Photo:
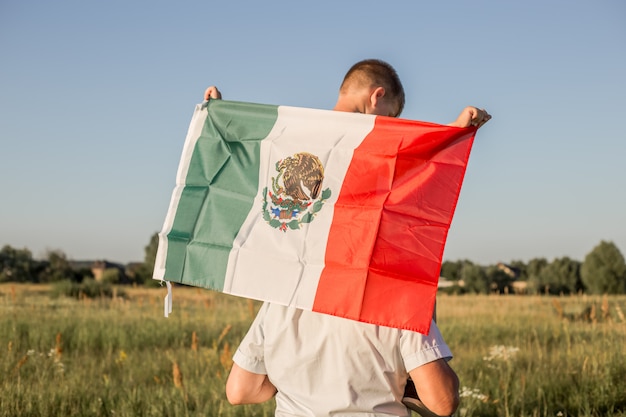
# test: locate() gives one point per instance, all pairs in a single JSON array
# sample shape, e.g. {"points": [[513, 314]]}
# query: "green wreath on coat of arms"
{"points": [[296, 195]]}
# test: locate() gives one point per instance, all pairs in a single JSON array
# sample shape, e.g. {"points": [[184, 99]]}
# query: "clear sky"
{"points": [[96, 98]]}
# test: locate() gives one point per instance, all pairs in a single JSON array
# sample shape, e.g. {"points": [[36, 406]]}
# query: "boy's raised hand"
{"points": [[471, 116], [212, 93]]}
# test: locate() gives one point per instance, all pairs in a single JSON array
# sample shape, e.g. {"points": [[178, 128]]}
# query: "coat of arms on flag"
{"points": [[339, 213], [296, 193]]}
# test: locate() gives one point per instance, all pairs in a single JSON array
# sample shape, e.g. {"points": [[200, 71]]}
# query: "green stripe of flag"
{"points": [[226, 156]]}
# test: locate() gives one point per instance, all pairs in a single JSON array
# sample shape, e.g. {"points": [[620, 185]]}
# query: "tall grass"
{"points": [[538, 356], [121, 357], [516, 356]]}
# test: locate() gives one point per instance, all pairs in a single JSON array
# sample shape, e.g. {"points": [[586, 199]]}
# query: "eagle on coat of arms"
{"points": [[296, 194]]}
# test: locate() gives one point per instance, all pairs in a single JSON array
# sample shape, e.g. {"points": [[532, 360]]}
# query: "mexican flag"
{"points": [[339, 213]]}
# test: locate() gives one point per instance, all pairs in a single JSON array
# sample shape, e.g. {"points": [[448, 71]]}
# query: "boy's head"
{"points": [[371, 86]]}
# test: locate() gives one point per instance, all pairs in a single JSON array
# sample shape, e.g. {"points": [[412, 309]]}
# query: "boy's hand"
{"points": [[212, 93], [471, 116]]}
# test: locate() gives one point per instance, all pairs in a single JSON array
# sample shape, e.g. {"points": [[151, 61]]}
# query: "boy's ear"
{"points": [[377, 94]]}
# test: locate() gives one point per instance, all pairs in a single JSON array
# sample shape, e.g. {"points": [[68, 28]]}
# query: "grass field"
{"points": [[515, 355]]}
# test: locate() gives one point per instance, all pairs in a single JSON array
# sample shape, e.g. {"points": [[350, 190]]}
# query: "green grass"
{"points": [[560, 362], [119, 356]]}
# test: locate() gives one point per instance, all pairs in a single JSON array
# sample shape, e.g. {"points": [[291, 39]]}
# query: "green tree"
{"points": [[561, 276], [474, 278], [604, 270], [17, 265], [451, 270], [143, 273], [533, 274], [151, 251], [56, 267], [111, 276]]}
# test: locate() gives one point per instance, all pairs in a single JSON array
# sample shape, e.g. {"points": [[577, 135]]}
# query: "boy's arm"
{"points": [[244, 387], [471, 116], [437, 386]]}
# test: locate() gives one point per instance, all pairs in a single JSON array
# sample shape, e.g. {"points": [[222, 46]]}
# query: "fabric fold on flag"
{"points": [[340, 213]]}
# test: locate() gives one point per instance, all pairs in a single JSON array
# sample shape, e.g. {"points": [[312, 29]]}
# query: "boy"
{"points": [[321, 365]]}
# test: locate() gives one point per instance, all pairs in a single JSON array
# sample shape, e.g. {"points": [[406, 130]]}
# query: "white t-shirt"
{"points": [[330, 366]]}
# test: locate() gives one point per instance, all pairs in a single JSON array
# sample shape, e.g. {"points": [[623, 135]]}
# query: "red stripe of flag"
{"points": [[390, 224]]}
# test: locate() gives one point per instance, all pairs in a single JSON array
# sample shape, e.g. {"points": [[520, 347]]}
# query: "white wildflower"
{"points": [[59, 367], [500, 352], [472, 393]]}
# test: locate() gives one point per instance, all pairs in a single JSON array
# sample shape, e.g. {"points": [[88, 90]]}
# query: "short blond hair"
{"points": [[376, 73]]}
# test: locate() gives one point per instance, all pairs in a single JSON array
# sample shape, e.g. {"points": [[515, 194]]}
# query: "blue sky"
{"points": [[96, 98]]}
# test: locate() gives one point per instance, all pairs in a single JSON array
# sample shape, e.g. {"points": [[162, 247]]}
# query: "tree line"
{"points": [[19, 265], [603, 271]]}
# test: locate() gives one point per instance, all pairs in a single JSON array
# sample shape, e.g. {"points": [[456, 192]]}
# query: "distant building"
{"points": [[520, 287], [98, 269], [511, 271], [445, 283], [80, 265]]}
